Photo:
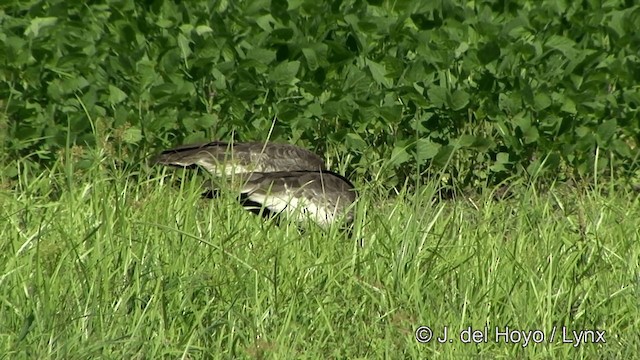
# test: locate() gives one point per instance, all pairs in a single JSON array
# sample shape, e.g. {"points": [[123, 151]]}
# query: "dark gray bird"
{"points": [[225, 159], [321, 196]]}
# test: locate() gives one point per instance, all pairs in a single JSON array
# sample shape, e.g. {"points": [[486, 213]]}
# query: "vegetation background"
{"points": [[405, 97], [483, 89]]}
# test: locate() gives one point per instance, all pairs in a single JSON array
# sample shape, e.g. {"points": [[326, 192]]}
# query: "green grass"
{"points": [[130, 266]]}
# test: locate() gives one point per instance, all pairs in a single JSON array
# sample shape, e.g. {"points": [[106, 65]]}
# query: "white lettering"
{"points": [[505, 334]]}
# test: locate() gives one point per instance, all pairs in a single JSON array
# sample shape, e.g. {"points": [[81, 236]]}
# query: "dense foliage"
{"points": [[482, 89]]}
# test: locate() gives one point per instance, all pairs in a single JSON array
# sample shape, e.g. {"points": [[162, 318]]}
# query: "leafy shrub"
{"points": [[483, 90]]}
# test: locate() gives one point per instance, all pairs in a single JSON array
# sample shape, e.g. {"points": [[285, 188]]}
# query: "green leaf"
{"points": [[203, 29], [482, 144], [38, 23], [437, 95], [355, 142], [562, 44], [510, 102], [183, 44], [606, 130], [207, 120], [132, 135], [459, 100], [542, 101], [632, 97], [378, 72], [531, 135], [264, 56], [391, 114], [116, 95], [194, 137], [489, 52], [399, 155], [465, 141], [312, 59], [617, 21], [162, 90], [621, 148], [285, 72], [426, 150], [502, 159], [443, 156], [568, 106]]}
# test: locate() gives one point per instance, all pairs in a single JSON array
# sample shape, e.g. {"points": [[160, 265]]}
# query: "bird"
{"points": [[324, 197], [271, 179], [226, 159]]}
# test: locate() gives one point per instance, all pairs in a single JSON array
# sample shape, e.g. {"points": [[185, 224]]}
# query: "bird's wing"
{"points": [[220, 158], [286, 157]]}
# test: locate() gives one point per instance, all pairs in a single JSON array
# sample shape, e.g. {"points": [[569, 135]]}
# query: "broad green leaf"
{"points": [[116, 95], [378, 72], [586, 142], [183, 43], [482, 144], [632, 97], [502, 160], [285, 72], [443, 156], [203, 29], [314, 109], [617, 21], [461, 49], [522, 121], [265, 22], [164, 23], [355, 142], [568, 106], [207, 120], [426, 150], [264, 56], [606, 130], [391, 114], [510, 102], [459, 100], [621, 148], [286, 112], [312, 59], [399, 155], [542, 101], [195, 137], [437, 96], [38, 23], [563, 44], [165, 89], [489, 52], [132, 135], [502, 157], [465, 141], [531, 135]]}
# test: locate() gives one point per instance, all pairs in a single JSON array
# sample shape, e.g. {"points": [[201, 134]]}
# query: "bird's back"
{"points": [[221, 158], [322, 196]]}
